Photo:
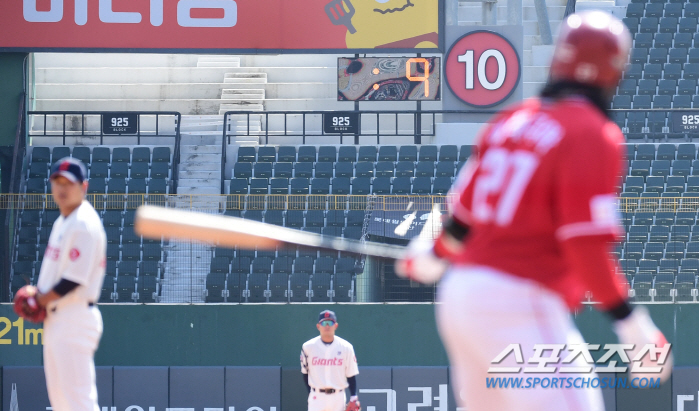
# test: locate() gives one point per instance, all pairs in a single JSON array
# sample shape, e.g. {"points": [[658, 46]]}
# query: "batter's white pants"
{"points": [[71, 336], [319, 401], [481, 312]]}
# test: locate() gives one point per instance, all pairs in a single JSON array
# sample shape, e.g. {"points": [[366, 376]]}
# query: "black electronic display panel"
{"points": [[388, 79]]}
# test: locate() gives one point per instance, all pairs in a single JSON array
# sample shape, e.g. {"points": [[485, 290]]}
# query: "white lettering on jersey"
{"points": [[504, 174], [326, 361]]}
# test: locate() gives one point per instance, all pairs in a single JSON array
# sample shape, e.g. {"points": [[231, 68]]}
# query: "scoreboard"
{"points": [[388, 79]]}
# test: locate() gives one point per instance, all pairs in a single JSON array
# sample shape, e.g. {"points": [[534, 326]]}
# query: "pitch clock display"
{"points": [[388, 79]]}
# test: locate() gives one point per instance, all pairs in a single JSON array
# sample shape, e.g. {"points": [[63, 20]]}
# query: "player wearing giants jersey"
{"points": [[532, 217], [329, 367], [69, 284]]}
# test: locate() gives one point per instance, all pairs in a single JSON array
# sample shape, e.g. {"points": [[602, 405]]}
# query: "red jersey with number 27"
{"points": [[546, 171]]}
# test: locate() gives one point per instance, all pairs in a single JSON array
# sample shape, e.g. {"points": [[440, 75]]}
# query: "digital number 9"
{"points": [[424, 78]]}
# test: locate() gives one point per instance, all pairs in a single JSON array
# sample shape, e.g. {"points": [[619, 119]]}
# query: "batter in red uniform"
{"points": [[531, 223]]}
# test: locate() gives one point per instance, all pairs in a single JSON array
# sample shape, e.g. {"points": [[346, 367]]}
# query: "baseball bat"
{"points": [[227, 231]]}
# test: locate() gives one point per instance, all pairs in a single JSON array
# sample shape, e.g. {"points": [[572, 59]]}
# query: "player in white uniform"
{"points": [[329, 367], [69, 284]]}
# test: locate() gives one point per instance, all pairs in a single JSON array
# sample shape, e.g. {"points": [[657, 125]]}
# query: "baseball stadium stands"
{"points": [[663, 68]]}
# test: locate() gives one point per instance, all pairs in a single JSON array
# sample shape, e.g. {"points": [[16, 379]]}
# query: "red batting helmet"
{"points": [[592, 49]]}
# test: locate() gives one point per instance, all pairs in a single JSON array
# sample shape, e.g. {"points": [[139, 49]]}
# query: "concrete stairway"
{"points": [[189, 84], [198, 189], [185, 271]]}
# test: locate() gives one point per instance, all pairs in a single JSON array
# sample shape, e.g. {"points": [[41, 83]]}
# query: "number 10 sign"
{"points": [[482, 68]]}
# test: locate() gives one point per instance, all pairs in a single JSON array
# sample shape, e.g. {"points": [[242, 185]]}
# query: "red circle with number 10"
{"points": [[482, 68]]}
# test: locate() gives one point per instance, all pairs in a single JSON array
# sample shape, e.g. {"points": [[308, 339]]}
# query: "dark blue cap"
{"points": [[327, 315], [70, 168]]}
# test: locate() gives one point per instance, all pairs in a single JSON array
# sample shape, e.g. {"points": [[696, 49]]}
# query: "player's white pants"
{"points": [[318, 401], [71, 336], [482, 312]]}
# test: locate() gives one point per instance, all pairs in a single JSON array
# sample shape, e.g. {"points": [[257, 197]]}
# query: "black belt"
{"points": [[89, 304], [327, 390]]}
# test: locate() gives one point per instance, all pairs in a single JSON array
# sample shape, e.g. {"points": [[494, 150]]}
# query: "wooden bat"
{"points": [[156, 222]]}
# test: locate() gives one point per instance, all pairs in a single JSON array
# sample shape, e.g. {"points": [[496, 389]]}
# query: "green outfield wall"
{"points": [[271, 335]]}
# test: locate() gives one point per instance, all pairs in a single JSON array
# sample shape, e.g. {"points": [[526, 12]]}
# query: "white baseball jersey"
{"points": [[328, 365], [77, 251]]}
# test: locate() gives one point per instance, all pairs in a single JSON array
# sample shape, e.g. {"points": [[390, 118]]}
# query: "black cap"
{"points": [[70, 168], [327, 315]]}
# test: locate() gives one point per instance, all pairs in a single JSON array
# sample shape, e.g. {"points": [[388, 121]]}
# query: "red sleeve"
{"points": [[587, 211], [590, 162], [461, 193], [592, 270]]}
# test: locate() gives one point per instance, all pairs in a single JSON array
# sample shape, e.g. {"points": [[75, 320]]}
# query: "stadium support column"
{"points": [[490, 13], [12, 73], [418, 119], [542, 15], [514, 12]]}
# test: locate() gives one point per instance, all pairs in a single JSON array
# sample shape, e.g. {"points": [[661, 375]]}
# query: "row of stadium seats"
{"points": [[655, 101], [646, 287], [309, 218], [677, 10], [651, 87], [113, 170], [656, 250], [101, 186], [662, 24], [664, 233], [671, 265], [101, 154], [115, 252], [664, 1], [282, 264], [665, 151], [666, 40], [342, 185], [349, 170], [663, 168], [312, 154], [277, 287], [668, 218], [126, 289], [661, 184]]}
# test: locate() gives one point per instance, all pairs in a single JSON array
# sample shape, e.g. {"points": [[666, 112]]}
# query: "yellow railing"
{"points": [[304, 202]]}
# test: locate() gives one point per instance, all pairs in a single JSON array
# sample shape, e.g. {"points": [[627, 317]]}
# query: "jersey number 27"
{"points": [[499, 188]]}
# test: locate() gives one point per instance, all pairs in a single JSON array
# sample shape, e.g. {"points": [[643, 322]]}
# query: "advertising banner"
{"points": [[274, 26]]}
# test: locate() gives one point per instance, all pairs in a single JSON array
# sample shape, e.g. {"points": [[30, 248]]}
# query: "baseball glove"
{"points": [[26, 306], [353, 406]]}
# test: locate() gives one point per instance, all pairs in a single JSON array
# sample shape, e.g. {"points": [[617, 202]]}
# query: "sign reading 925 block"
{"points": [[685, 122], [119, 123], [482, 68], [341, 122]]}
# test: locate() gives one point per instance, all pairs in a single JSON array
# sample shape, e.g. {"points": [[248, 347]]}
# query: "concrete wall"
{"points": [[272, 334]]}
